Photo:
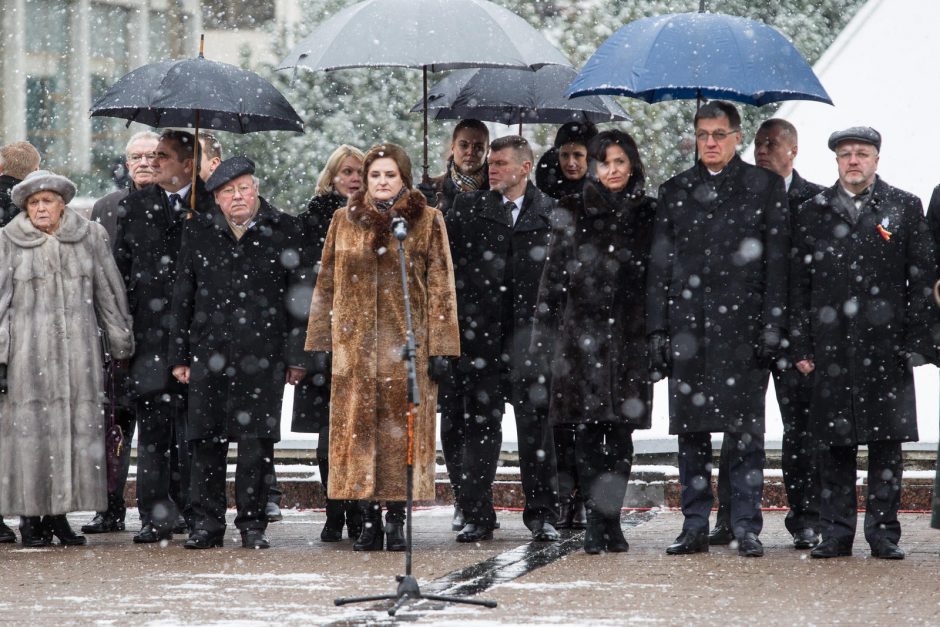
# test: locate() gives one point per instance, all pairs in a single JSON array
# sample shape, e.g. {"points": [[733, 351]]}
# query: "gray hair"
{"points": [[137, 137]]}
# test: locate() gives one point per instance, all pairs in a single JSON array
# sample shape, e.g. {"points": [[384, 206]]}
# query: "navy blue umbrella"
{"points": [[683, 56]]}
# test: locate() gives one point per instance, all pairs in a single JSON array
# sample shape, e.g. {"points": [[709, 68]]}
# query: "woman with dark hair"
{"points": [[340, 178], [358, 315], [563, 168], [591, 309]]}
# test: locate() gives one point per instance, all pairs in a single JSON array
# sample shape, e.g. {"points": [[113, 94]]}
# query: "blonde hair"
{"points": [[331, 169], [19, 159]]}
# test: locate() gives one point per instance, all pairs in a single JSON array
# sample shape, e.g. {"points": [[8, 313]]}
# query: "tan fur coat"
{"points": [[358, 313]]}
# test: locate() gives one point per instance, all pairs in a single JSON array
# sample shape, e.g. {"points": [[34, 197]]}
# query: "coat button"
{"points": [[500, 238]]}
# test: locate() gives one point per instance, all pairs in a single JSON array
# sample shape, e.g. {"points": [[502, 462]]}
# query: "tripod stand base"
{"points": [[408, 590]]}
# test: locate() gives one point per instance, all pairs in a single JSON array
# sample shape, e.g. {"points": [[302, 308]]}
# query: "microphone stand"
{"points": [[408, 589]]}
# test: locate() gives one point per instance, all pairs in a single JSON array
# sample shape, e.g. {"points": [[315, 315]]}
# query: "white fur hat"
{"points": [[42, 180]]}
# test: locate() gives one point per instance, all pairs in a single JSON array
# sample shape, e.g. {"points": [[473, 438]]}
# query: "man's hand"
{"points": [[181, 374], [295, 375], [805, 366]]}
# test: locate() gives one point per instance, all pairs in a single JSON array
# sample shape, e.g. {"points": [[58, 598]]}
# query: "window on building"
{"points": [[246, 14], [47, 27], [47, 107], [108, 62]]}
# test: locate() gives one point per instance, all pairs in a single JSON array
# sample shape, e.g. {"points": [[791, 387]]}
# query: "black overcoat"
{"points": [[485, 246], [717, 280], [8, 210], [861, 298], [591, 308], [311, 413], [148, 243], [232, 305]]}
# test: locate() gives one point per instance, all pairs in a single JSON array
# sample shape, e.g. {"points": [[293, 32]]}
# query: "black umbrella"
{"points": [[198, 93], [515, 97]]}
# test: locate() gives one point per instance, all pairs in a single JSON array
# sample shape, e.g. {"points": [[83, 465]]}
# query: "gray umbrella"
{"points": [[427, 34], [517, 97]]}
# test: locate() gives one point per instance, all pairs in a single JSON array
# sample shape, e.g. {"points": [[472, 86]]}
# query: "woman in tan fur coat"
{"points": [[358, 315]]}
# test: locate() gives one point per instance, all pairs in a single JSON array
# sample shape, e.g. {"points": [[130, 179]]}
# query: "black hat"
{"points": [[575, 132], [229, 169], [864, 134]]}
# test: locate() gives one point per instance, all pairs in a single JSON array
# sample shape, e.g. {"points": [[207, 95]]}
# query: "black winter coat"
{"points": [[311, 412], [148, 244], [717, 280], [232, 305], [933, 220], [861, 297], [8, 210], [489, 253], [442, 190], [591, 309]]}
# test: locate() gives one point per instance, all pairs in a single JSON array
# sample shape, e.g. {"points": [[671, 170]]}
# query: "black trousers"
{"points": [[163, 460], [839, 505], [484, 435], [604, 457], [745, 457], [125, 418], [798, 455], [569, 477], [252, 482], [453, 435]]}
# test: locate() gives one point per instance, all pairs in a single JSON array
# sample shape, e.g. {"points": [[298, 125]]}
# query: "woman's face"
{"points": [[348, 179], [384, 179], [614, 171], [573, 160], [45, 210]]}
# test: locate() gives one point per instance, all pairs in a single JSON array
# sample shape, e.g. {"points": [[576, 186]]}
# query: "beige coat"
{"points": [[358, 313], [55, 292]]}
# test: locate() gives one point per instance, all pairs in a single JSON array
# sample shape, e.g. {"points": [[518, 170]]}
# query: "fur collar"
{"points": [[22, 232], [411, 207]]}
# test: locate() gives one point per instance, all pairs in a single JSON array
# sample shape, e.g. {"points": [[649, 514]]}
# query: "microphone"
{"points": [[399, 229]]}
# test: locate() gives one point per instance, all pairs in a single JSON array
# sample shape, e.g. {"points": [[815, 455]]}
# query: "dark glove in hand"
{"points": [[769, 344], [3, 378], [660, 362], [439, 368]]}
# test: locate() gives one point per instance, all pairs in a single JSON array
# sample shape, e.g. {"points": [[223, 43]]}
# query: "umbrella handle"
{"points": [[196, 159], [425, 179]]}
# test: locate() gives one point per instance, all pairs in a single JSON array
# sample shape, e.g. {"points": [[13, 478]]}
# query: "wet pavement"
{"points": [[112, 581]]}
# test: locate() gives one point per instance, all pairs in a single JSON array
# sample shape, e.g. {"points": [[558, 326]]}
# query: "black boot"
{"points": [[335, 519], [616, 543], [595, 538], [579, 514], [371, 538], [565, 513], [60, 528], [353, 519], [395, 526], [33, 533]]}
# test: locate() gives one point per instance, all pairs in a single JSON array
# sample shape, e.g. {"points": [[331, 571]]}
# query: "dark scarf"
{"points": [[410, 205], [384, 205]]}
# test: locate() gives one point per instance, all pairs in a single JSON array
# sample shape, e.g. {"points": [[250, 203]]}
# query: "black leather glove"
{"points": [[3, 378], [430, 192], [660, 357], [769, 348], [439, 368]]}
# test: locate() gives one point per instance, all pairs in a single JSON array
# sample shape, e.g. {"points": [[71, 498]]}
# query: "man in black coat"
{"points": [[148, 243], [235, 342], [775, 148], [716, 312], [861, 279], [499, 242], [106, 211]]}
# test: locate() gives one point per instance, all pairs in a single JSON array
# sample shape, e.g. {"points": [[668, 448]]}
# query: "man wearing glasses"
{"points": [[716, 315], [861, 318]]}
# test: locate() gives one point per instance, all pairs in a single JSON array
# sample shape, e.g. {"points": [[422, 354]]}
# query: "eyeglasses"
{"points": [[243, 190], [718, 136], [134, 157]]}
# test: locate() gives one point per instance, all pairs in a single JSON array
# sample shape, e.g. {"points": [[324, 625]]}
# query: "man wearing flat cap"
{"points": [[237, 337], [861, 319]]}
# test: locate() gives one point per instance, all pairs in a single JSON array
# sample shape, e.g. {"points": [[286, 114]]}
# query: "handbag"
{"points": [[114, 436]]}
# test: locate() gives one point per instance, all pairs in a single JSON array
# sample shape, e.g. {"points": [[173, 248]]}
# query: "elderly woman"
{"points": [[358, 315], [591, 310], [58, 286], [341, 178]]}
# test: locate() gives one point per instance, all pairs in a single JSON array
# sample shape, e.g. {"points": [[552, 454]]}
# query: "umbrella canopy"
{"points": [[699, 55], [198, 92], [517, 97]]}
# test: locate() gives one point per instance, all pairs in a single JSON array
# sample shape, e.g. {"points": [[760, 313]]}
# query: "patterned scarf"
{"points": [[464, 182], [384, 205]]}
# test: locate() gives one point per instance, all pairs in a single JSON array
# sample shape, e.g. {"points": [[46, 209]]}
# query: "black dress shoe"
{"points": [[831, 547], [395, 537], [273, 512], [331, 533], [180, 525], [721, 535], [60, 528], [103, 522], [473, 532], [253, 539], [6, 534], [565, 515], [805, 538], [33, 533], [579, 517], [202, 539], [616, 543], [689, 542], [458, 521], [886, 550], [544, 532], [149, 534], [750, 546]]}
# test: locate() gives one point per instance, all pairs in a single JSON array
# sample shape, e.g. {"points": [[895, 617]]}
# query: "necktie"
{"points": [[175, 200], [509, 207]]}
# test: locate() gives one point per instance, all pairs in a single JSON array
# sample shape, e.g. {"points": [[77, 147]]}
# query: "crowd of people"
{"points": [[187, 302]]}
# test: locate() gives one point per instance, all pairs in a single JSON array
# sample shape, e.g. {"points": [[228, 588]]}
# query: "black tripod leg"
{"points": [[377, 597], [437, 597], [398, 604]]}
